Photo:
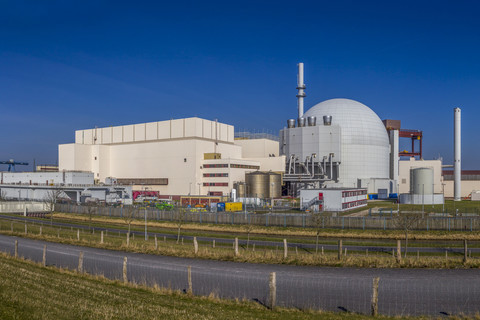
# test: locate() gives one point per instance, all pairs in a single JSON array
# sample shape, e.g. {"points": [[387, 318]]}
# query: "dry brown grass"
{"points": [[225, 252], [289, 232]]}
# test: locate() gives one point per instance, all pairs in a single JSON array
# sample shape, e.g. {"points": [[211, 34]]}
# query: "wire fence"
{"points": [[280, 220], [400, 292]]}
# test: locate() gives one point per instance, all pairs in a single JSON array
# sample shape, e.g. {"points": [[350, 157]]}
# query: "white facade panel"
{"points": [[79, 136], [139, 132], [107, 135], [88, 136], [151, 131], [164, 131], [177, 128], [128, 133], [207, 129], [117, 134]]}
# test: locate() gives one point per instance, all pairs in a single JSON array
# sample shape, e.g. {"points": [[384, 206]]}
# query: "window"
{"points": [[216, 165], [215, 184], [209, 175], [244, 166]]}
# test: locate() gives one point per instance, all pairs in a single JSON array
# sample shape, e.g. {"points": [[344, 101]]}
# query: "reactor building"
{"points": [[338, 143]]}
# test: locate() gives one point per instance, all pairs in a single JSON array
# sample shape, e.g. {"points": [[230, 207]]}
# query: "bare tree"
{"points": [[181, 214], [3, 195], [317, 223], [248, 228], [51, 198], [128, 215], [91, 209], [407, 221]]}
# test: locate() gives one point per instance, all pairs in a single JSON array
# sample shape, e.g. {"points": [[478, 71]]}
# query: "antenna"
{"points": [[300, 87]]}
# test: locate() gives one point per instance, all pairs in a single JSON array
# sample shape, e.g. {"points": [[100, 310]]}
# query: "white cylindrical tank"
{"points": [[457, 173], [421, 181]]}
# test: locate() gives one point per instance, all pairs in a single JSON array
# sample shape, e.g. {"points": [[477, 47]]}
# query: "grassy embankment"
{"points": [[29, 291], [225, 252]]}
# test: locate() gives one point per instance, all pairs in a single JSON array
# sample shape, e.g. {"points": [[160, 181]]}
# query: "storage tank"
{"points": [[241, 188], [421, 181], [257, 184], [275, 185]]}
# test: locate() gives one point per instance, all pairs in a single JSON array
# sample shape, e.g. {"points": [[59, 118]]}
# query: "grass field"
{"points": [[225, 252], [29, 291]]}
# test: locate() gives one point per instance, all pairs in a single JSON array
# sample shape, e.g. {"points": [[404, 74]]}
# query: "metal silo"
{"points": [[275, 185], [421, 181], [257, 184], [241, 189]]}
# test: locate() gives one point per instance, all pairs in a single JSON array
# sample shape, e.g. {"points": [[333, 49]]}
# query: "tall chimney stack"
{"points": [[300, 87], [457, 146]]}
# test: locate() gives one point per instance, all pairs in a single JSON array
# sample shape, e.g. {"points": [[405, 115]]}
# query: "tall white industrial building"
{"points": [[175, 157], [337, 143]]}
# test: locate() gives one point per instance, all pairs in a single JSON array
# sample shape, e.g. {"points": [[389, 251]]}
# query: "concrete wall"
{"points": [[46, 178], [468, 186], [404, 173], [258, 148], [161, 130]]}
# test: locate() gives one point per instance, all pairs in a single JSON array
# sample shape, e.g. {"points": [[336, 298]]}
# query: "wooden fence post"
{"points": [[213, 243], [125, 278], [253, 247], [339, 249], [16, 248], [273, 290], [101, 237], [78, 234], [399, 251], [156, 243], [189, 276], [164, 239], [285, 249], [236, 247], [40, 232], [465, 251], [44, 258], [128, 239], [80, 262], [375, 297], [195, 245], [25, 228]]}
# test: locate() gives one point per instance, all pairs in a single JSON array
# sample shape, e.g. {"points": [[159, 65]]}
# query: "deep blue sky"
{"points": [[67, 65]]}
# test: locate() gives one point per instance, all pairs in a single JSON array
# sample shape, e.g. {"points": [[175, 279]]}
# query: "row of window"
{"points": [[225, 165], [215, 175], [216, 165], [353, 193], [354, 204], [244, 166], [215, 184]]}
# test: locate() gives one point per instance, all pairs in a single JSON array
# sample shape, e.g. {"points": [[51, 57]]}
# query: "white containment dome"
{"points": [[365, 144]]}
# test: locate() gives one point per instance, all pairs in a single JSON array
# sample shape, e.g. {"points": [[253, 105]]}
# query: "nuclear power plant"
{"points": [[334, 156]]}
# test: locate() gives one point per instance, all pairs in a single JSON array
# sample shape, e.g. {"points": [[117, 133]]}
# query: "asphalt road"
{"points": [[263, 243], [401, 291]]}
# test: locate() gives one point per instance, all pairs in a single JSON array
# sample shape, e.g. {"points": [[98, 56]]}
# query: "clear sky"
{"points": [[69, 65]]}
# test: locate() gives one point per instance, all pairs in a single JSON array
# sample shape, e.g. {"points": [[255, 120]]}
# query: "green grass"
{"points": [[29, 291]]}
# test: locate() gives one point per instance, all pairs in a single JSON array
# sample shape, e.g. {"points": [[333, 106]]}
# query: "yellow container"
{"points": [[233, 206]]}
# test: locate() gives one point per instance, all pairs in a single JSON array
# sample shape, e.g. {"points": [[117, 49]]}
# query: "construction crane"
{"points": [[11, 164]]}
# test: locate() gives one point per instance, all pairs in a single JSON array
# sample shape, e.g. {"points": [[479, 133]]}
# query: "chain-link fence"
{"points": [[280, 220]]}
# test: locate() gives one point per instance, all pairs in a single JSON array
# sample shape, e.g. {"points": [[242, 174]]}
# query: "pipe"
{"points": [[300, 87], [457, 193], [331, 166]]}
